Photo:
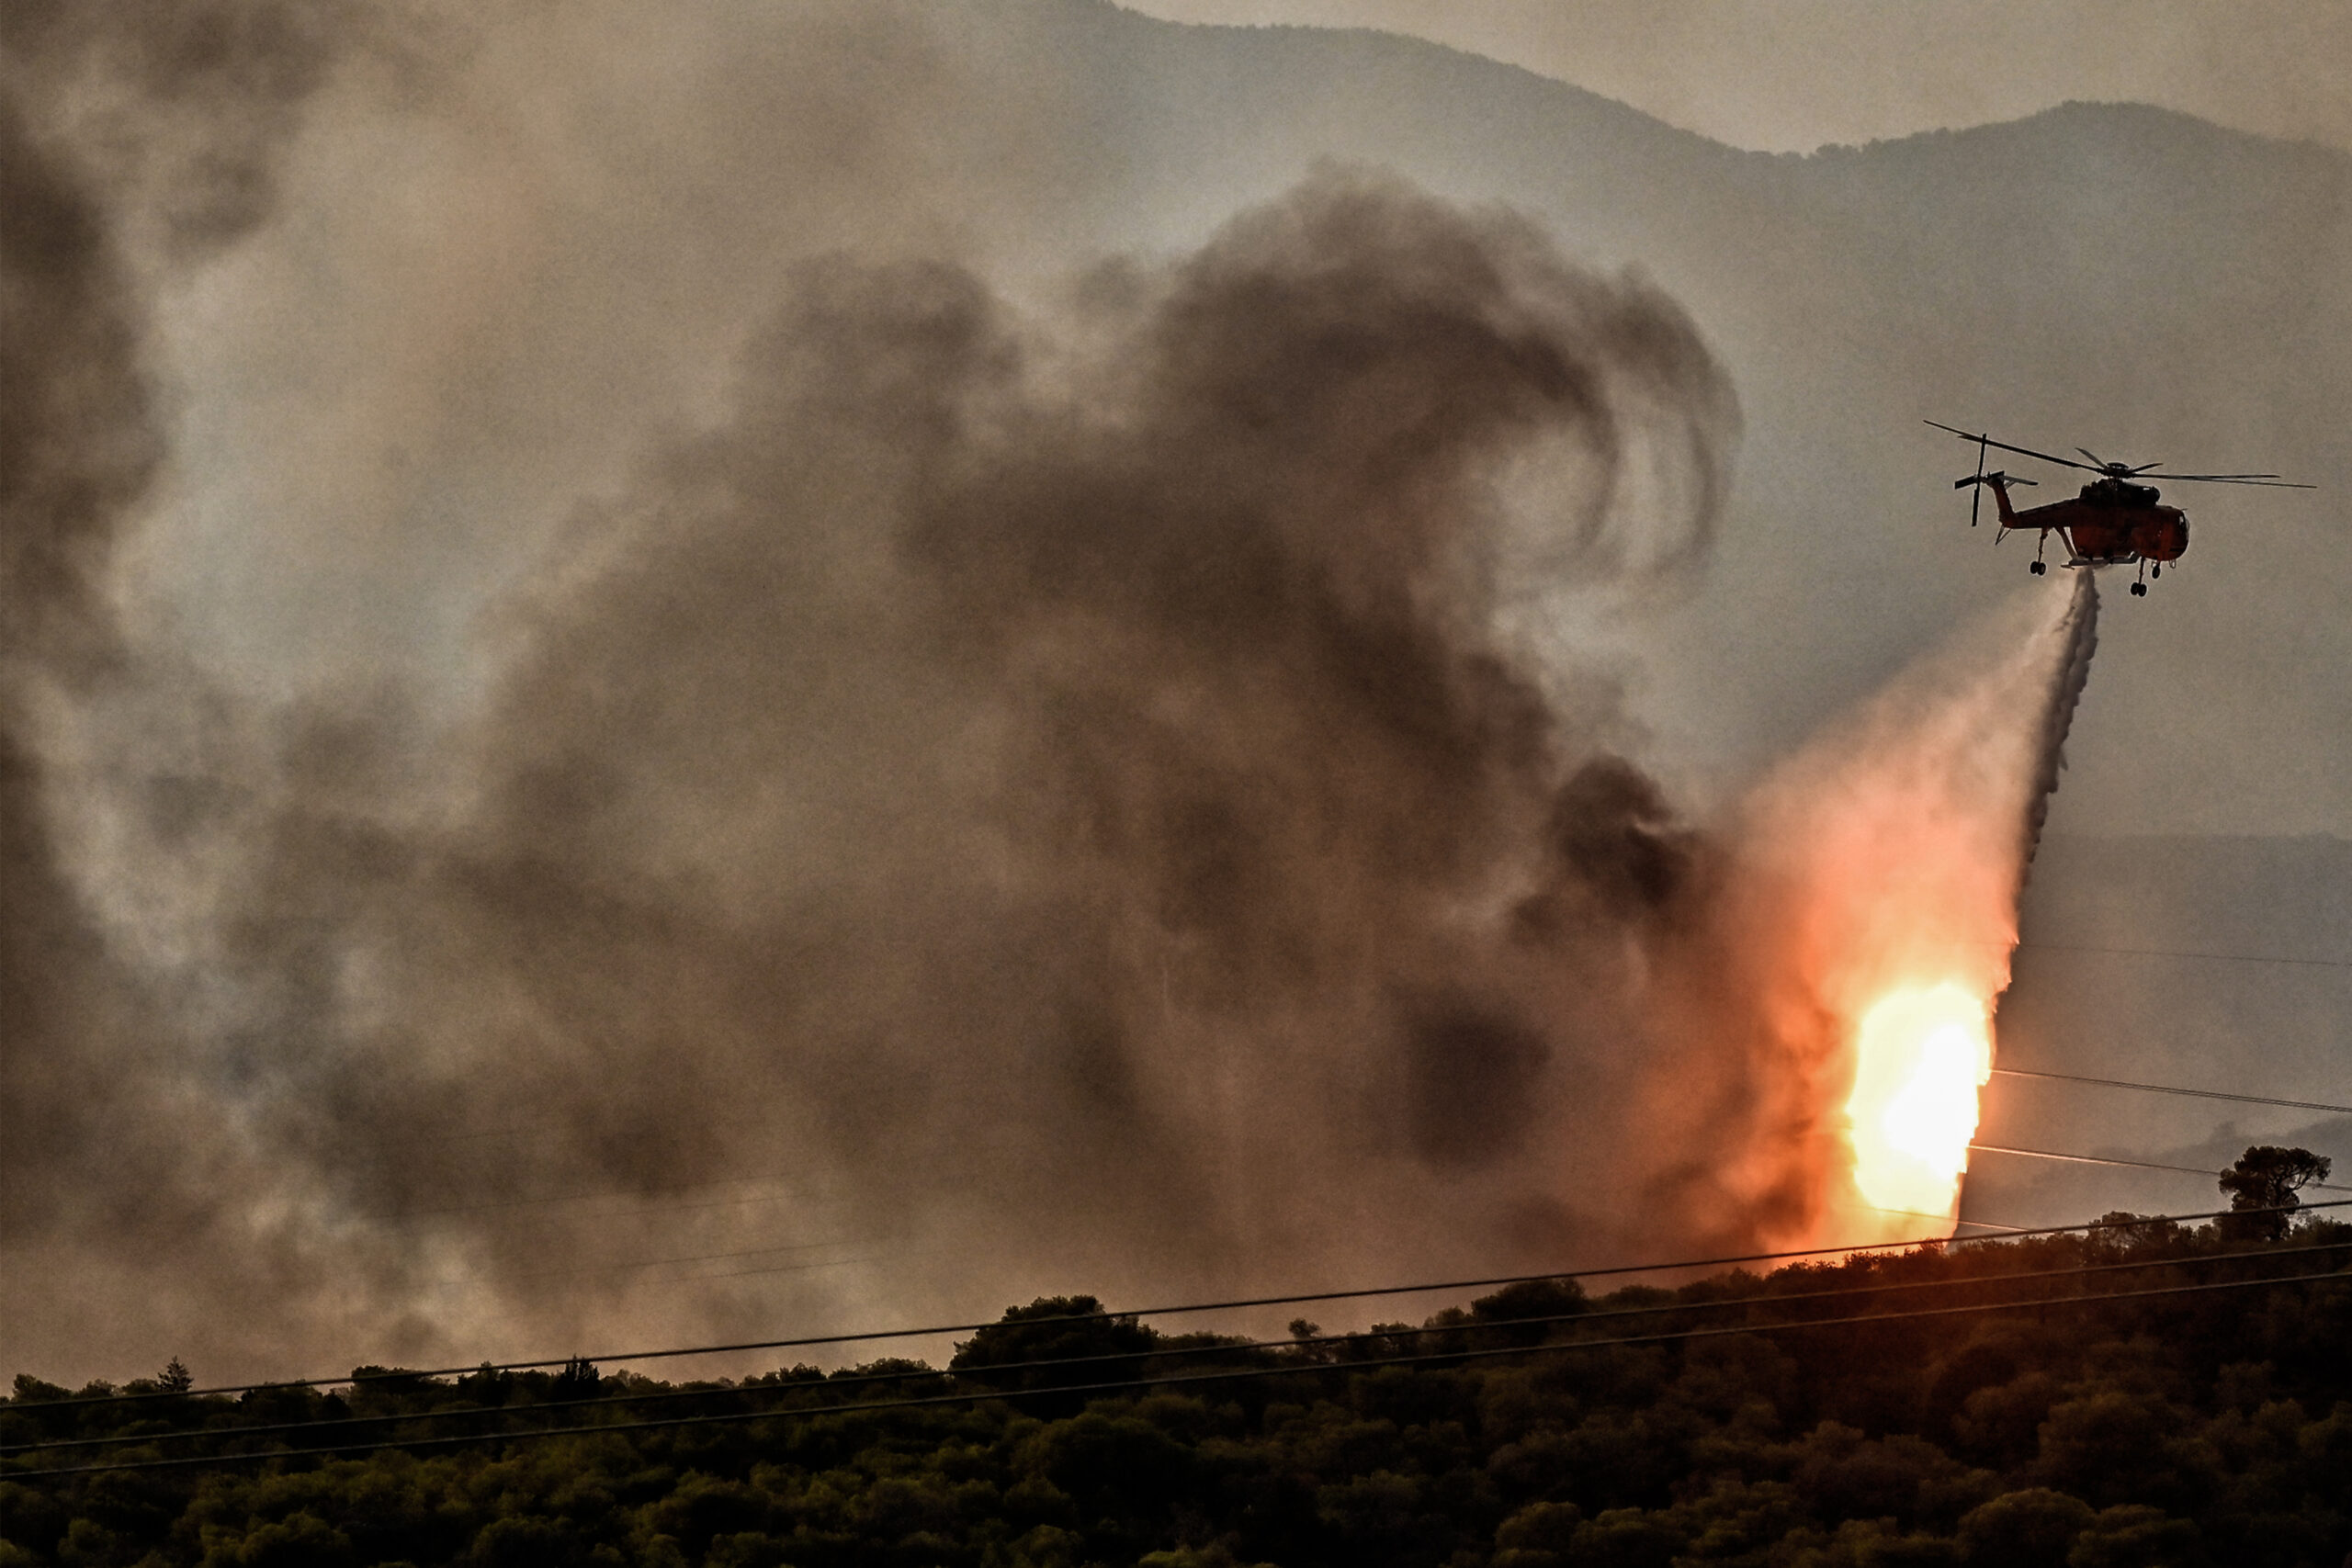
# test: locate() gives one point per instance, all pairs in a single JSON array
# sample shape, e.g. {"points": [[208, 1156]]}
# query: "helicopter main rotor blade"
{"points": [[2103, 465], [2020, 451], [2273, 481]]}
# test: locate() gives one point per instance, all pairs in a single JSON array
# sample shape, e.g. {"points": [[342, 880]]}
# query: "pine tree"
{"points": [[2266, 1179]]}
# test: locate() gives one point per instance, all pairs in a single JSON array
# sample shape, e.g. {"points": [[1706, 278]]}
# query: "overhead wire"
{"points": [[2174, 952], [1924, 1215], [2171, 1088], [2134, 1164], [1389, 1332], [1172, 1379], [1179, 1310]]}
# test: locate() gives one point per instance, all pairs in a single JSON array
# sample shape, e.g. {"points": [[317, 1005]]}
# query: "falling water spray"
{"points": [[1880, 872]]}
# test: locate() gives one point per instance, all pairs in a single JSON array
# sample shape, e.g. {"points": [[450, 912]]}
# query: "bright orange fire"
{"points": [[1881, 869], [1920, 1055]]}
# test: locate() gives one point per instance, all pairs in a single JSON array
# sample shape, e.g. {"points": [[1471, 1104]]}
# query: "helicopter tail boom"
{"points": [[2000, 483]]}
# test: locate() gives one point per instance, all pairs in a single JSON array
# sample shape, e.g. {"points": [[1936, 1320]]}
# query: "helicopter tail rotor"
{"points": [[1999, 481]]}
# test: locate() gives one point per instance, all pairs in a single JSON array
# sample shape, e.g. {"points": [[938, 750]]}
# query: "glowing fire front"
{"points": [[1920, 1056], [1881, 868]]}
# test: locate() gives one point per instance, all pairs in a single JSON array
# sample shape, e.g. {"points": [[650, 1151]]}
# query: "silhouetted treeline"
{"points": [[1537, 1428]]}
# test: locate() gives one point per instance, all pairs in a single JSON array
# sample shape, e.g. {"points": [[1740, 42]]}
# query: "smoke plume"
{"points": [[125, 132]]}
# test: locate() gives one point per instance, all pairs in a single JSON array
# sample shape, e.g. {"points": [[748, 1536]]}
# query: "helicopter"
{"points": [[2113, 521]]}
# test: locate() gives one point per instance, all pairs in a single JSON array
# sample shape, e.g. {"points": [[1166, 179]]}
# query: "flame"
{"points": [[1920, 1055], [1874, 907]]}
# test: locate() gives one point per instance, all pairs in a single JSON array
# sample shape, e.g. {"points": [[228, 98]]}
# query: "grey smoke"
{"points": [[1049, 794], [1070, 810]]}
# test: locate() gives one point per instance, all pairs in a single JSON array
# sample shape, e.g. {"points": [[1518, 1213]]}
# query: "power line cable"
{"points": [[2134, 1164], [1170, 1381], [2170, 1089], [1300, 1297], [1924, 1215], [2173, 952], [1654, 1309]]}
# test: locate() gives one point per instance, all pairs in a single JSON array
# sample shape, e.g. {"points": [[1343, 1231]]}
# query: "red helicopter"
{"points": [[2112, 521]]}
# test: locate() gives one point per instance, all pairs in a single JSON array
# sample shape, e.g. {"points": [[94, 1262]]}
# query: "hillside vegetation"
{"points": [[2156, 1402]]}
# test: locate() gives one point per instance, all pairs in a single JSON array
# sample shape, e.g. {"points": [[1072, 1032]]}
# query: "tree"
{"points": [[1540, 1300], [2267, 1178], [2032, 1528], [579, 1379], [175, 1378], [1075, 1329]]}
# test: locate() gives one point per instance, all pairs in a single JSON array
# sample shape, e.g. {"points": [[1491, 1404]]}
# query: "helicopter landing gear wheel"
{"points": [[2156, 570], [2139, 591], [2038, 567]]}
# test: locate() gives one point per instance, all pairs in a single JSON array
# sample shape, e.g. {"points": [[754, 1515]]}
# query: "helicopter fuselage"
{"points": [[2110, 523]]}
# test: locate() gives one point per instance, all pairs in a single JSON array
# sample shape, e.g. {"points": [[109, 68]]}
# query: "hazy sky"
{"points": [[1790, 76]]}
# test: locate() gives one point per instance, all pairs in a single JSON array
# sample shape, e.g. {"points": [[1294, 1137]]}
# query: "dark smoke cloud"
{"points": [[49, 541], [177, 106], [103, 109], [1048, 797], [75, 448], [1039, 799], [1088, 796]]}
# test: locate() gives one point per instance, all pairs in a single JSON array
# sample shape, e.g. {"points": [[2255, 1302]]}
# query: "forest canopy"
{"points": [[2136, 1392]]}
